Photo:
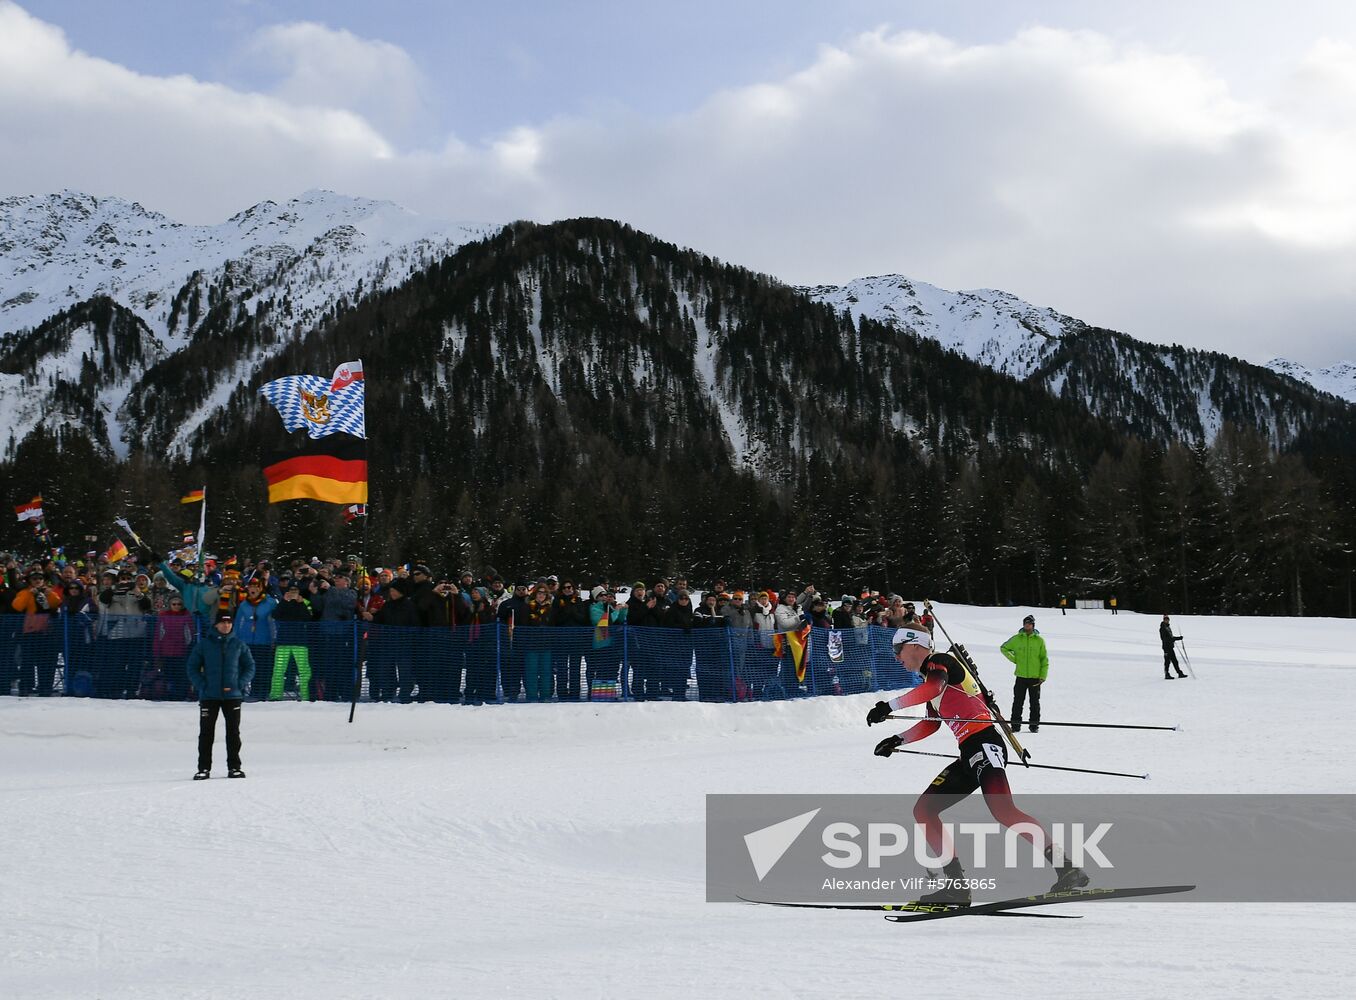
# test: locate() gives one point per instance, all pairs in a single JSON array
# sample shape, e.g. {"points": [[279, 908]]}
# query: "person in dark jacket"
{"points": [[512, 611], [1169, 642], [537, 661], [639, 641], [817, 614], [571, 613], [336, 606], [438, 604], [220, 670], [677, 657], [482, 638], [391, 673], [713, 648], [80, 607]]}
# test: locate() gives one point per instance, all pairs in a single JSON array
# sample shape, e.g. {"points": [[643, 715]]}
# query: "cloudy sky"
{"points": [[1183, 172]]}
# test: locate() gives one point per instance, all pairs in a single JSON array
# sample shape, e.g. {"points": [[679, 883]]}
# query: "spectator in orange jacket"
{"points": [[40, 643]]}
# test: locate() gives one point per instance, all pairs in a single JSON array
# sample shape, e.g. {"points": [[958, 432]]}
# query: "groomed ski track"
{"points": [[558, 851]]}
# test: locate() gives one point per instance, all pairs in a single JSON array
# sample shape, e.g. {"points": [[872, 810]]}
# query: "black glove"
{"points": [[880, 711], [888, 746]]}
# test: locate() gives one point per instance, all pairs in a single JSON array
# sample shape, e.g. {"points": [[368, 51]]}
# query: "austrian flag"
{"points": [[31, 511]]}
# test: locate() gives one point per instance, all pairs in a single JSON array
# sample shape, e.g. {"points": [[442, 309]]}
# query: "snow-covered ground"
{"points": [[558, 850]]}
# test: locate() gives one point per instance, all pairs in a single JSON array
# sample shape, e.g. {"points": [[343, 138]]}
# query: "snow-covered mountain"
{"points": [[1338, 379], [1160, 392], [139, 329], [992, 327], [59, 249], [289, 264]]}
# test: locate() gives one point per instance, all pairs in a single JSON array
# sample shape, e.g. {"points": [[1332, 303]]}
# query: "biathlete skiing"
{"points": [[954, 696]]}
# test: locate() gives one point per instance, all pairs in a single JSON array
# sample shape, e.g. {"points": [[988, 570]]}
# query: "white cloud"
{"points": [[1127, 186], [195, 149], [324, 67]]}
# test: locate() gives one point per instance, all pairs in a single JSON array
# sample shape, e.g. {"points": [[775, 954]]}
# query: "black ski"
{"points": [[897, 906], [937, 911]]}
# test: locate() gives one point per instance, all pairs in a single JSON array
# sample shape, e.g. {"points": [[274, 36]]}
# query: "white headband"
{"points": [[919, 637]]}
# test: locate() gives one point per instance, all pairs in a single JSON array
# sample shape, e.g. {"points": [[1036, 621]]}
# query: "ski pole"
{"points": [[1047, 767], [1188, 659], [1080, 725], [1023, 754]]}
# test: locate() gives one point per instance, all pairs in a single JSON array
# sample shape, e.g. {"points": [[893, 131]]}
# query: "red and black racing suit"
{"points": [[953, 696]]}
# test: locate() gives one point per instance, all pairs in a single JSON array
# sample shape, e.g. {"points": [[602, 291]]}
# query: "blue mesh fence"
{"points": [[114, 656]]}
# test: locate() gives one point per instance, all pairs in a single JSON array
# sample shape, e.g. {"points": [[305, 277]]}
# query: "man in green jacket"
{"points": [[220, 668], [1027, 650]]}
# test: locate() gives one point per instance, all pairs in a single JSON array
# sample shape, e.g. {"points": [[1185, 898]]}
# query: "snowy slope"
{"points": [[289, 263], [557, 851], [282, 268], [80, 368], [1338, 379], [58, 249], [989, 326], [1162, 392]]}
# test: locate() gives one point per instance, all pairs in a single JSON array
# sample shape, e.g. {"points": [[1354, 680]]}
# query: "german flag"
{"points": [[796, 642], [331, 469], [193, 496]]}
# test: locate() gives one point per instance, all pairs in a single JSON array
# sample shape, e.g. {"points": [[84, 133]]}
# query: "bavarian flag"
{"points": [[331, 469], [796, 641]]}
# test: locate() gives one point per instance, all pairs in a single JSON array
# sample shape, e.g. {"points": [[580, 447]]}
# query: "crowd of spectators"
{"points": [[138, 620]]}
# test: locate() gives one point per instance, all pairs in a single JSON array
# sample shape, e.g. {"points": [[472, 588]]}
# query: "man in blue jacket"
{"points": [[220, 668]]}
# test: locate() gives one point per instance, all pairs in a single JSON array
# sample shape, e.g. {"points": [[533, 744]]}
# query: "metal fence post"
{"points": [[498, 665], [357, 665], [729, 649], [810, 662], [65, 654]]}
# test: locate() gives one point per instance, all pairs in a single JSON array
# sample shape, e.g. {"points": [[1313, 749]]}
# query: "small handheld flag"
{"points": [[121, 522], [31, 511], [354, 511], [193, 496], [346, 374], [117, 552]]}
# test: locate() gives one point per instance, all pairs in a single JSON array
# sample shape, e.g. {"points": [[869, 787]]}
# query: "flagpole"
{"points": [[362, 567], [202, 534]]}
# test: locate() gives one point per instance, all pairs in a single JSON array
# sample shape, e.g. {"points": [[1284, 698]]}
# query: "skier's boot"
{"points": [[235, 772], [957, 893], [1167, 676], [202, 775], [1180, 674], [1068, 877]]}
